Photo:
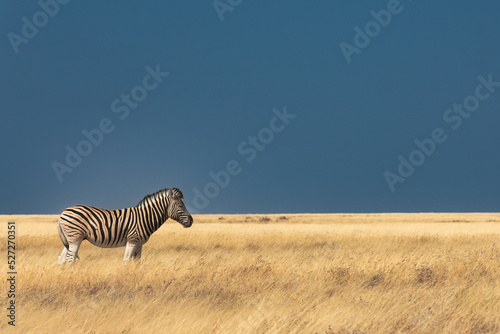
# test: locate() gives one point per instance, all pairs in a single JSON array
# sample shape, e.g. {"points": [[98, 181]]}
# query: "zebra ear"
{"points": [[177, 193], [174, 193]]}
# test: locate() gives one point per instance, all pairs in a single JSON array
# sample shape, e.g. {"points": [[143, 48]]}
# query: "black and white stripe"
{"points": [[130, 227]]}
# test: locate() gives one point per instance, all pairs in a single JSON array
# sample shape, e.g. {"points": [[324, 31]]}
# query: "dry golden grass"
{"points": [[378, 273]]}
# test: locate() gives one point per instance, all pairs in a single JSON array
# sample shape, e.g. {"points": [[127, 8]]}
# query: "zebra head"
{"points": [[176, 209]]}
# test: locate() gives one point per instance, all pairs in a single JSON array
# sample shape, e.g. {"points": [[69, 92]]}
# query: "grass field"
{"points": [[363, 273]]}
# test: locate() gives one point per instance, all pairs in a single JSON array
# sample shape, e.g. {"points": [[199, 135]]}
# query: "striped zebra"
{"points": [[130, 227]]}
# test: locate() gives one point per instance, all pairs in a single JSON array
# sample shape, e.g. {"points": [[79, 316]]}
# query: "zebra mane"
{"points": [[174, 192]]}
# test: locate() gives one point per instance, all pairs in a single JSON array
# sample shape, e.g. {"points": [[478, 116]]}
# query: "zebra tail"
{"points": [[62, 235]]}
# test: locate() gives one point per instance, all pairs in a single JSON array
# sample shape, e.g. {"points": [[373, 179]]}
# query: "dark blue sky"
{"points": [[305, 106]]}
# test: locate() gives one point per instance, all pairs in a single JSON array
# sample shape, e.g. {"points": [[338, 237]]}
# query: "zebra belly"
{"points": [[114, 245]]}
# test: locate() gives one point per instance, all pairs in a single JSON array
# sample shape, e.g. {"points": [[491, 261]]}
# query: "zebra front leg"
{"points": [[137, 253], [131, 250]]}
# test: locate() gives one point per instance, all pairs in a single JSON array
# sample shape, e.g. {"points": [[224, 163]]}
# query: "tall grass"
{"points": [[245, 274]]}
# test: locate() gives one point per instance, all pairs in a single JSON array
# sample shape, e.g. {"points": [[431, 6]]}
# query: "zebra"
{"points": [[130, 227]]}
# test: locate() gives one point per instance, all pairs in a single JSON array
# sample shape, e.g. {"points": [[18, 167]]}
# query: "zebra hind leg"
{"points": [[72, 253], [62, 257]]}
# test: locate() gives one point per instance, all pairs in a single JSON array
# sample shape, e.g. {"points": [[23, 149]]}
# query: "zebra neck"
{"points": [[154, 216]]}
